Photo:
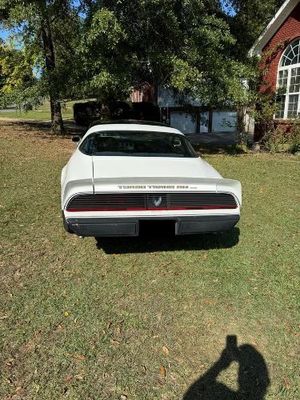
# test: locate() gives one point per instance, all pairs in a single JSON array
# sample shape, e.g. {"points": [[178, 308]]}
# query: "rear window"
{"points": [[137, 144]]}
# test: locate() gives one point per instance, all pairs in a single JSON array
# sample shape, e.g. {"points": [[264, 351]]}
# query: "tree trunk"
{"points": [[49, 53], [56, 116], [241, 131]]}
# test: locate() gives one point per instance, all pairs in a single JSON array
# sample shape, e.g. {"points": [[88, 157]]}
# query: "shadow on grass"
{"points": [[231, 150], [45, 127], [253, 376], [151, 242]]}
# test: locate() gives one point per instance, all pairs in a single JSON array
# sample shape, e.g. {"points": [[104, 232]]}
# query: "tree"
{"points": [[47, 29], [18, 85], [186, 44], [247, 20], [104, 48]]}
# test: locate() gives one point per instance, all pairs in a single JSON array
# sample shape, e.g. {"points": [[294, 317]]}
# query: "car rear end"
{"points": [[211, 205], [123, 175]]}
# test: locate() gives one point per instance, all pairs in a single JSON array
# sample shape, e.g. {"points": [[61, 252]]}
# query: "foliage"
{"points": [[25, 98], [282, 138], [28, 19], [15, 68], [19, 85], [276, 140], [103, 56], [274, 135], [247, 20], [294, 136], [47, 32], [265, 109], [182, 44], [104, 48]]}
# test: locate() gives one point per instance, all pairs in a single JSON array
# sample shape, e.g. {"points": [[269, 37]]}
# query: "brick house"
{"points": [[279, 49]]}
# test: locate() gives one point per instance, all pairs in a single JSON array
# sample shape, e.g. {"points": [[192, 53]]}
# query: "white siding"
{"points": [[185, 122], [224, 121]]}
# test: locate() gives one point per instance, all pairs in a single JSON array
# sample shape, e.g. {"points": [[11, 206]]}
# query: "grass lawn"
{"points": [[145, 318], [42, 113]]}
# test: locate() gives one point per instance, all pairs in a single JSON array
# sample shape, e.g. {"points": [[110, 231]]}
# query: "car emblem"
{"points": [[157, 201]]}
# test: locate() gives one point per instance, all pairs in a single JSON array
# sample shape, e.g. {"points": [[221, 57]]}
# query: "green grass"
{"points": [[42, 113], [142, 318]]}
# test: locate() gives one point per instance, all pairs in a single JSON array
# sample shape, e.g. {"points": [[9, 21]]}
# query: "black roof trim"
{"points": [[128, 121]]}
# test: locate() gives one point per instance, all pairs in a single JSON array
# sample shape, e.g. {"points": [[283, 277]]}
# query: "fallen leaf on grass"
{"points": [[144, 368], [10, 362], [109, 324], [79, 357], [59, 328], [286, 383], [68, 378], [209, 301], [162, 373], [165, 350]]}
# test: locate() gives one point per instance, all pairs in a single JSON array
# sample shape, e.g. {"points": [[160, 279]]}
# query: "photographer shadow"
{"points": [[253, 376]]}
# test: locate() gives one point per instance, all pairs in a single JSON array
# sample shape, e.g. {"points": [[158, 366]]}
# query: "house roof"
{"points": [[273, 26]]}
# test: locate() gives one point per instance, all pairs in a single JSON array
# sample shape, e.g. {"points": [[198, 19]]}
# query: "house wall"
{"points": [[272, 52], [191, 117]]}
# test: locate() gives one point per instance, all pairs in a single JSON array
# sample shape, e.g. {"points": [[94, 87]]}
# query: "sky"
{"points": [[4, 34], [228, 9]]}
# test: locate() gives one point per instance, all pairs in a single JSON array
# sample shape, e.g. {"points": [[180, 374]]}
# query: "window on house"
{"points": [[288, 82], [293, 106], [280, 106]]}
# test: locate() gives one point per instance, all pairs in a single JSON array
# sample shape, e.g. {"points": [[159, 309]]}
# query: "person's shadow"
{"points": [[253, 376]]}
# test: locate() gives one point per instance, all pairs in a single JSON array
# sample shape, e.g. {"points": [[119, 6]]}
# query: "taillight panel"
{"points": [[151, 201]]}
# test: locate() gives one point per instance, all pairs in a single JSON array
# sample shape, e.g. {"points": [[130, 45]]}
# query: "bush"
{"points": [[275, 140], [295, 138], [283, 138]]}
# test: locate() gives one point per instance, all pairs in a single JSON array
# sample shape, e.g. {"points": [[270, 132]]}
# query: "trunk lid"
{"points": [[152, 167], [153, 174]]}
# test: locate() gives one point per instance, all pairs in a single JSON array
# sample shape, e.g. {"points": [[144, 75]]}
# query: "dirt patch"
{"points": [[38, 134]]}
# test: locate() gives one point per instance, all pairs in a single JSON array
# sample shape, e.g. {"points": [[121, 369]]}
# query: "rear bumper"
{"points": [[103, 227]]}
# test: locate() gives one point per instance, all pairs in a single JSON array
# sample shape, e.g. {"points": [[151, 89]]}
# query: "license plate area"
{"points": [[156, 228]]}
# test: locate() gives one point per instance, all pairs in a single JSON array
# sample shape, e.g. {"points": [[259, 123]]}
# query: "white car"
{"points": [[124, 173]]}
